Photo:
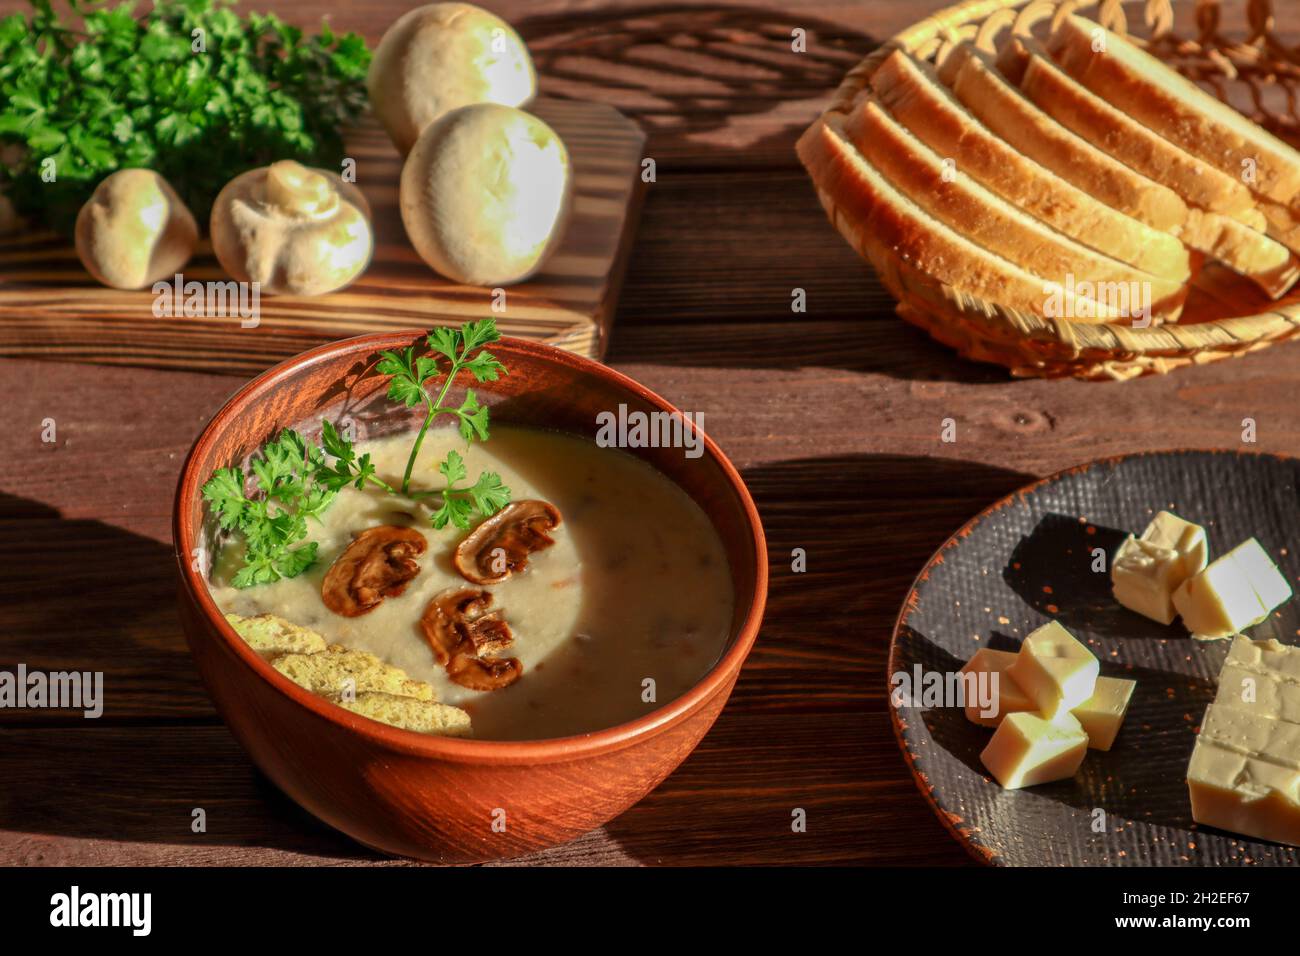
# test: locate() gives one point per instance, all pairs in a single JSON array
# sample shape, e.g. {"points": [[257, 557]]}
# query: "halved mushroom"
{"points": [[500, 546], [378, 564], [460, 629]]}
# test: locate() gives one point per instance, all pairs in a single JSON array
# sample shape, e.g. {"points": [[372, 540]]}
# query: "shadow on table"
{"points": [[81, 595], [698, 72], [720, 88], [807, 724], [876, 342]]}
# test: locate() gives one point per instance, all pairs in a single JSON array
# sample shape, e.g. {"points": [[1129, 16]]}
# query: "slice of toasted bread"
{"points": [[1065, 152], [885, 226], [1008, 112], [1080, 110], [915, 97], [273, 636], [1269, 264], [421, 716], [1168, 103], [1283, 223], [985, 218], [330, 672]]}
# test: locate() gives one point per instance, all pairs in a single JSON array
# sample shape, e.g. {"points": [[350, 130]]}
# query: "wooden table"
{"points": [[832, 415]]}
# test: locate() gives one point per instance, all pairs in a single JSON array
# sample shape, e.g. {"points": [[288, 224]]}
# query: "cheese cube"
{"points": [[1006, 697], [1237, 590], [1026, 750], [1055, 670], [1102, 714], [1148, 570], [1270, 586]]}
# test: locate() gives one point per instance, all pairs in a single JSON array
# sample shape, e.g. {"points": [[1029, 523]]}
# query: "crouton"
{"points": [[273, 636], [326, 673], [421, 716]]}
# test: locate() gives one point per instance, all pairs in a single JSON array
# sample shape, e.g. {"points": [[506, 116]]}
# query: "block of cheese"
{"points": [[1237, 590], [1148, 570], [1280, 660], [1006, 695], [1253, 733], [1259, 691], [1102, 714], [1055, 670], [1244, 775], [1027, 750], [1243, 794]]}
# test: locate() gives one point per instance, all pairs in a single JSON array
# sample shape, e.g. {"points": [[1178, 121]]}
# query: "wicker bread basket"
{"points": [[1243, 64]]}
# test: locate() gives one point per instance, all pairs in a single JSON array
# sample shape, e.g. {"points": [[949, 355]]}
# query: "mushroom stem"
{"points": [[297, 190]]}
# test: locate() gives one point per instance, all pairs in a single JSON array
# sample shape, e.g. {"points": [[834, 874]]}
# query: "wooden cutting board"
{"points": [[51, 308]]}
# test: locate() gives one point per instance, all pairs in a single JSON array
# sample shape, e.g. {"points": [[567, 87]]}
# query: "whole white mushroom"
{"points": [[441, 57], [134, 230], [485, 194], [292, 229]]}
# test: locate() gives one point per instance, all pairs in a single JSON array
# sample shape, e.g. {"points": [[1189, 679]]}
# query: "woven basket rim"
{"points": [[1027, 333]]}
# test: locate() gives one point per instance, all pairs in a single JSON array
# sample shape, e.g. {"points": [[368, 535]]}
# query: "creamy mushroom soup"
{"points": [[635, 588]]}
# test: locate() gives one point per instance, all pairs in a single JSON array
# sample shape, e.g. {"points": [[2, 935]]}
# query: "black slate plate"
{"points": [[1027, 559]]}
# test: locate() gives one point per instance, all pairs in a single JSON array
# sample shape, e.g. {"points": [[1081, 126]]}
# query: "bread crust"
{"points": [[914, 97], [1267, 263], [1080, 110], [1168, 103], [983, 217], [1006, 111], [884, 226]]}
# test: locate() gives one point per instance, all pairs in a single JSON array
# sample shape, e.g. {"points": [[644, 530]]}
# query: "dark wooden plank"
{"points": [[126, 795]]}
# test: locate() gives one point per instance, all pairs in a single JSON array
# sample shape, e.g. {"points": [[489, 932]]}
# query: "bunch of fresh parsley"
{"points": [[298, 479], [188, 88]]}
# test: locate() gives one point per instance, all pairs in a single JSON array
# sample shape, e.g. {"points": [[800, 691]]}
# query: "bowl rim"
{"points": [[466, 750]]}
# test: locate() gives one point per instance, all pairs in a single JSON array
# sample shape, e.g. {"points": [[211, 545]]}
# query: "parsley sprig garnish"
{"points": [[298, 479], [463, 351]]}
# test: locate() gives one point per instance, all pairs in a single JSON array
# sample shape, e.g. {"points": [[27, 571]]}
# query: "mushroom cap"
{"points": [[440, 57], [293, 229], [501, 544], [485, 194], [463, 633], [379, 563], [134, 230]]}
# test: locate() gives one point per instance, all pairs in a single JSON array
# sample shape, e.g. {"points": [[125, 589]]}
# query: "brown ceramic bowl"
{"points": [[437, 798]]}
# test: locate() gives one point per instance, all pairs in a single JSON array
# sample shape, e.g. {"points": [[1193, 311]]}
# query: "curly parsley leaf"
{"points": [[274, 524], [188, 88], [487, 496]]}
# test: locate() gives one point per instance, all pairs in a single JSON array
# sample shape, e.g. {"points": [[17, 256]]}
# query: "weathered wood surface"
{"points": [[49, 304], [833, 416]]}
